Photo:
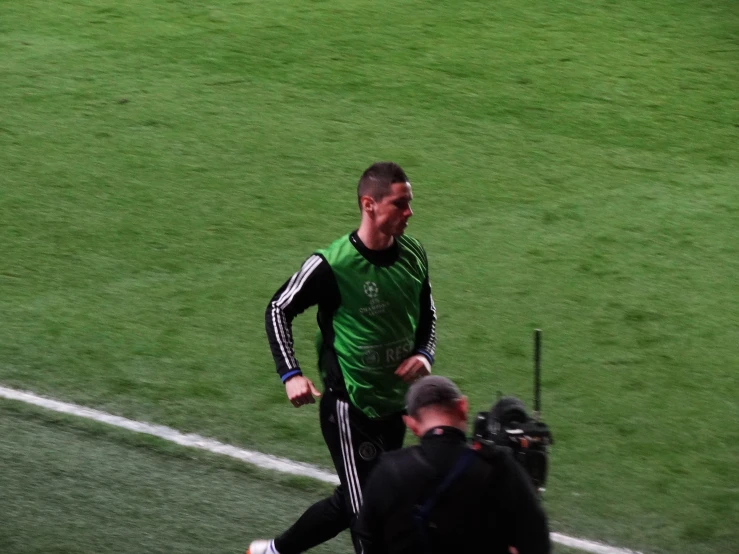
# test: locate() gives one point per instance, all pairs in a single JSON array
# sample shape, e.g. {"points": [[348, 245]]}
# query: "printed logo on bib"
{"points": [[376, 306], [382, 355], [371, 358], [370, 289], [394, 354]]}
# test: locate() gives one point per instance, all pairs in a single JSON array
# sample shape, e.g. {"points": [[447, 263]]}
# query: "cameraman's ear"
{"points": [[412, 424], [463, 406]]}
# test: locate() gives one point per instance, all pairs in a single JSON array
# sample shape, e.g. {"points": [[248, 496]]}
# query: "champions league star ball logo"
{"points": [[376, 306], [370, 289]]}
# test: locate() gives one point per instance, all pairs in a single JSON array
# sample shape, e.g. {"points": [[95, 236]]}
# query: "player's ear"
{"points": [[367, 203]]}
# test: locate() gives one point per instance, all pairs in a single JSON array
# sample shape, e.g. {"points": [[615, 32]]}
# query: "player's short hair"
{"points": [[377, 179]]}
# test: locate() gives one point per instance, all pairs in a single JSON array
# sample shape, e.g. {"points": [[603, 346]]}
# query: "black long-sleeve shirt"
{"points": [[490, 507], [315, 284]]}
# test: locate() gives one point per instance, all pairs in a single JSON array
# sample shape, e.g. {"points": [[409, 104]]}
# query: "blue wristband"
{"points": [[290, 374], [426, 355]]}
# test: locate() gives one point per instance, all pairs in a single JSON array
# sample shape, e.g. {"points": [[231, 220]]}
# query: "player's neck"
{"points": [[374, 239]]}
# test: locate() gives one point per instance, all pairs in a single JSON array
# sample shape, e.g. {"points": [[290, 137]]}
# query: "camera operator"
{"points": [[443, 496]]}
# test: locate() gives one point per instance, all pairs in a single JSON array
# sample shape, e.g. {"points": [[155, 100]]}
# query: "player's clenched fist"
{"points": [[300, 390], [413, 368]]}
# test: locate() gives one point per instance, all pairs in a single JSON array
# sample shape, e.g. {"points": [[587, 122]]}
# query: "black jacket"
{"points": [[491, 506]]}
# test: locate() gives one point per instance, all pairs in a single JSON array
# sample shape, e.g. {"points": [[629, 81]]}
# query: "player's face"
{"points": [[391, 214]]}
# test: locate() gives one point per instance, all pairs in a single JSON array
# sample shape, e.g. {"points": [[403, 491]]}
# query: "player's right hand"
{"points": [[300, 390]]}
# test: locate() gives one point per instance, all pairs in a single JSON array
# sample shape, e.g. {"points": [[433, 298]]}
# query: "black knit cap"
{"points": [[431, 390]]}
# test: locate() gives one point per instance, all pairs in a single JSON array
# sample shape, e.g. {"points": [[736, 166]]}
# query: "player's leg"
{"points": [[355, 443], [391, 431], [330, 516], [364, 440], [321, 522]]}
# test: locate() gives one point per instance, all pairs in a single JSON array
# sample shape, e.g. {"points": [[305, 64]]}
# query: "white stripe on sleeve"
{"points": [[279, 320]]}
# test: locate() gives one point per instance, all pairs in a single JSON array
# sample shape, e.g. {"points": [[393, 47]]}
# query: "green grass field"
{"points": [[75, 487], [165, 165], [70, 487]]}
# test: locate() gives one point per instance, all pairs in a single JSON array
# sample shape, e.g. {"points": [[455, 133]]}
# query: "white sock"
{"points": [[272, 549]]}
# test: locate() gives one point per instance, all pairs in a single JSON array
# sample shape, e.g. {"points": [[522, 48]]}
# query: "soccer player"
{"points": [[442, 496], [377, 335]]}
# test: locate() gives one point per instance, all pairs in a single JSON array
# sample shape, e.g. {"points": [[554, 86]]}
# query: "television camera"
{"points": [[508, 425]]}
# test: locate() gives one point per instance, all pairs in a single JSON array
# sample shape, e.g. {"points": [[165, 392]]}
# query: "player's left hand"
{"points": [[413, 368]]}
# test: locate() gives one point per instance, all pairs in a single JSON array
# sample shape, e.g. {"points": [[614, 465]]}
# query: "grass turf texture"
{"points": [[167, 164], [71, 486], [74, 487]]}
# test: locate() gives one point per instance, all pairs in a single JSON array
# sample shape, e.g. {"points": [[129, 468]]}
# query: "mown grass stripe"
{"points": [[258, 459]]}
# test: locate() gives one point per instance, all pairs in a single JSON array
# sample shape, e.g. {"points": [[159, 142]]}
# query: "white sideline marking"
{"points": [[258, 459], [589, 546], [167, 433]]}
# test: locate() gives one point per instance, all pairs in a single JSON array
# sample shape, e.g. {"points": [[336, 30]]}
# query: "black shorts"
{"points": [[356, 442]]}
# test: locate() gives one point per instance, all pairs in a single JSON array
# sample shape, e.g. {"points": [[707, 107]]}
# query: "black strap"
{"points": [[422, 513]]}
